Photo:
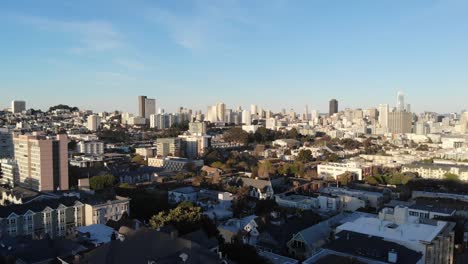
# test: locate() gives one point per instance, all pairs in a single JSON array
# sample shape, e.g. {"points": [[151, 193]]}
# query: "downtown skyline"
{"points": [[278, 55]]}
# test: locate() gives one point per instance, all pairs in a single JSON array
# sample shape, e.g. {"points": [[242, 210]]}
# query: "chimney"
{"points": [[392, 256]]}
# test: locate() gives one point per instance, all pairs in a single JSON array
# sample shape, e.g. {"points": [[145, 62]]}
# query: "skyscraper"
{"points": [[93, 122], [246, 118], [306, 113], [253, 109], [6, 143], [141, 105], [400, 122], [150, 107], [400, 102], [42, 161], [220, 112], [333, 106], [383, 115], [18, 106]]}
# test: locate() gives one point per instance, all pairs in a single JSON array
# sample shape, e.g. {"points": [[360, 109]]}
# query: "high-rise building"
{"points": [[383, 115], [246, 118], [220, 112], [93, 122], [400, 122], [333, 106], [18, 106], [6, 143], [253, 109], [150, 107], [306, 117], [159, 121], [42, 161], [463, 126], [168, 147], [212, 114], [400, 102], [141, 105], [372, 113]]}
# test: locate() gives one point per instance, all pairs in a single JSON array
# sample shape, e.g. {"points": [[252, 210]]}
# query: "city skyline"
{"points": [[101, 55]]}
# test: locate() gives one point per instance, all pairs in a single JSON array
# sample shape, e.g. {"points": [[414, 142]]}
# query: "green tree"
{"points": [[185, 218], [265, 169], [103, 181], [451, 176], [217, 164], [293, 134], [304, 155], [236, 135], [139, 160]]}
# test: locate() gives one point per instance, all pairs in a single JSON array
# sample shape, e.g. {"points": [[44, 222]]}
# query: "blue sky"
{"points": [[101, 55]]}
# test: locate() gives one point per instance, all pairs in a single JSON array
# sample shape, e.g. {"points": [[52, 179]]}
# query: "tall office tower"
{"points": [[372, 113], [42, 161], [6, 143], [93, 122], [333, 106], [220, 112], [173, 120], [400, 122], [211, 114], [292, 114], [228, 116], [168, 147], [400, 102], [463, 126], [150, 107], [246, 118], [422, 128], [236, 118], [141, 105], [18, 106], [384, 109], [253, 109], [314, 114], [305, 117], [408, 108]]}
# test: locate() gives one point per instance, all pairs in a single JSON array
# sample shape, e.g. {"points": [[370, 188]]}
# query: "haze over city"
{"points": [[278, 54]]}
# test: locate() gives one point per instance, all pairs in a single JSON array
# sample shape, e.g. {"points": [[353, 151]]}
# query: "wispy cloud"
{"points": [[130, 64], [112, 78], [91, 35], [207, 23]]}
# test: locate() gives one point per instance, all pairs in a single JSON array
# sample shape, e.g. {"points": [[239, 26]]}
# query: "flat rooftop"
{"points": [[408, 232]]}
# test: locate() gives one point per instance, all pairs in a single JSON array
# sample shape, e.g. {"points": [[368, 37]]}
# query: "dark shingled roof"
{"points": [[36, 206], [149, 245], [371, 247]]}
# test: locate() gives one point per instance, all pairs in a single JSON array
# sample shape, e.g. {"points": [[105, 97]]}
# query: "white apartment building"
{"points": [[297, 201], [90, 147], [99, 212], [146, 152], [336, 169], [437, 171], [9, 170]]}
